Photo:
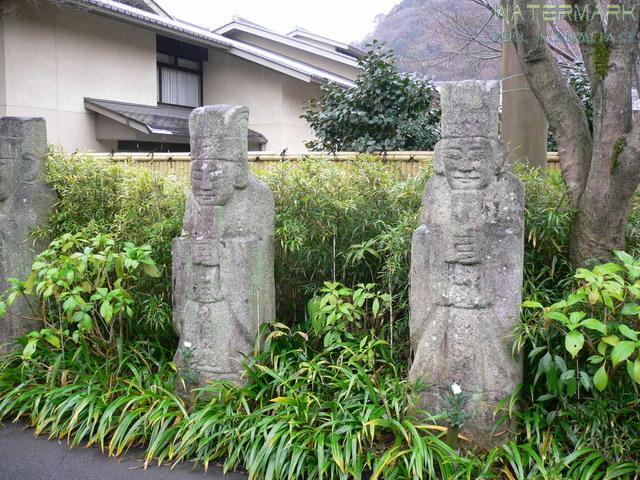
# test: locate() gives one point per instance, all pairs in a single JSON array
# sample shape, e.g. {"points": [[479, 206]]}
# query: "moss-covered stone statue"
{"points": [[223, 283], [467, 266], [25, 203]]}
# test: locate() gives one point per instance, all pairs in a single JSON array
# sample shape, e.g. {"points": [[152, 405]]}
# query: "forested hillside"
{"points": [[436, 37]]}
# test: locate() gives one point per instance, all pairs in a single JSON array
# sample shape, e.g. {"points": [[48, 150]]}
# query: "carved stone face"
{"points": [[467, 163], [7, 177], [213, 181]]}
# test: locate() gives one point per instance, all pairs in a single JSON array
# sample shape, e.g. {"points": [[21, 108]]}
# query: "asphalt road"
{"points": [[25, 457]]}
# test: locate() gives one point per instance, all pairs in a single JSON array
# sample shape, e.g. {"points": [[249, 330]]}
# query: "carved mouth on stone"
{"points": [[466, 178]]}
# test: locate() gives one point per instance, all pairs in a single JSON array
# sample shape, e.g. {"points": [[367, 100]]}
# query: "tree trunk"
{"points": [[601, 168], [597, 230]]}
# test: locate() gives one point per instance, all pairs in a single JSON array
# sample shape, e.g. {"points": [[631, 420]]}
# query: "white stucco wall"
{"points": [[274, 99], [56, 57]]}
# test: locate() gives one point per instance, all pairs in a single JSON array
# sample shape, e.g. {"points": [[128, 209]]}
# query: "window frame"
{"points": [[175, 66]]}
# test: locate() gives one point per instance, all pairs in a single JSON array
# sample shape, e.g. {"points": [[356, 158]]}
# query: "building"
{"points": [[124, 75]]}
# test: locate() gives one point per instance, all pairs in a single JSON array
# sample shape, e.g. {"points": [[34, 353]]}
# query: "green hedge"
{"points": [[350, 223]]}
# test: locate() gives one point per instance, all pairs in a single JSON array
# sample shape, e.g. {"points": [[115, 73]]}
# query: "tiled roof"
{"points": [[141, 4], [162, 119]]}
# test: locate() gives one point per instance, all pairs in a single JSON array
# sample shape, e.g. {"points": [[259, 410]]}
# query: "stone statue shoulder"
{"points": [[434, 199], [509, 192], [253, 209]]}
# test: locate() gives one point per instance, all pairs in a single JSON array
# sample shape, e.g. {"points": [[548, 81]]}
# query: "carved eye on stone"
{"points": [[454, 154]]}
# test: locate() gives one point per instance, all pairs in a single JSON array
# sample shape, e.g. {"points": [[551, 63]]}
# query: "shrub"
{"points": [[384, 110], [129, 205], [309, 411], [587, 343], [351, 223], [86, 290]]}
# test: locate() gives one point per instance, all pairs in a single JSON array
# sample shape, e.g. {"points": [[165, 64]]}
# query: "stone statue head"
{"points": [[470, 109], [468, 164], [22, 153], [470, 153], [219, 152]]}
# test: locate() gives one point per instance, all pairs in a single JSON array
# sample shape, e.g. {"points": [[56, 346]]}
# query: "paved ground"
{"points": [[25, 457]]}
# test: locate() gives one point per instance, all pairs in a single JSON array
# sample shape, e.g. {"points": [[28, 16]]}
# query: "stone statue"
{"points": [[467, 264], [223, 283], [25, 203]]}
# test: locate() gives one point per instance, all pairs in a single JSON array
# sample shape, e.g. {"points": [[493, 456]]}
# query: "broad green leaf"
{"points": [[573, 342], [634, 271], [531, 304], [600, 379], [106, 311], [569, 374], [30, 348], [575, 317], [558, 305], [3, 309], [151, 270], [624, 257], [622, 351], [633, 370], [561, 317], [627, 332], [53, 340], [375, 308], [534, 353], [594, 324], [611, 340], [607, 268], [595, 359], [546, 362], [85, 323], [560, 363], [630, 309], [574, 298], [607, 301], [585, 380]]}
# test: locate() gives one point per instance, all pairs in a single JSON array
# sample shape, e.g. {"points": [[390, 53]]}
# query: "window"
{"points": [[179, 72], [179, 85]]}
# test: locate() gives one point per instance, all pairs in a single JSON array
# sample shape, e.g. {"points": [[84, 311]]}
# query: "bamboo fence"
{"points": [[409, 163]]}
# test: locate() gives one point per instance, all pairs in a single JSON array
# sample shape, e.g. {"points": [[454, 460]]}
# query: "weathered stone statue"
{"points": [[467, 264], [25, 203], [223, 284]]}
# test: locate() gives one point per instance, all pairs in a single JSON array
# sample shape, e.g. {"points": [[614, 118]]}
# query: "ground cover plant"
{"points": [[327, 397]]}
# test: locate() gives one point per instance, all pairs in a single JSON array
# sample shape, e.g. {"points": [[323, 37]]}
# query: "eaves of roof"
{"points": [[253, 29], [203, 36], [304, 36]]}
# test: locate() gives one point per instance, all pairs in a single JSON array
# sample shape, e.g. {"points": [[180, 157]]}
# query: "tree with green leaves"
{"points": [[383, 111]]}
